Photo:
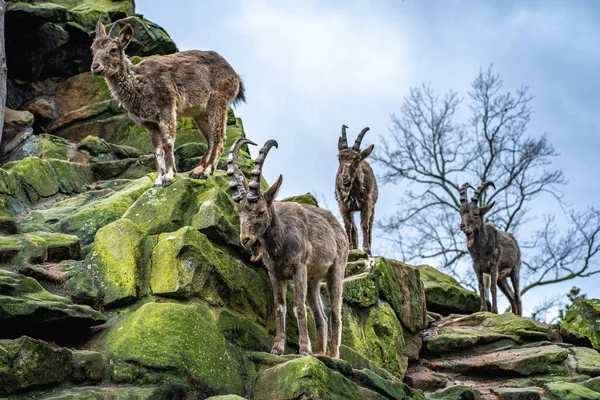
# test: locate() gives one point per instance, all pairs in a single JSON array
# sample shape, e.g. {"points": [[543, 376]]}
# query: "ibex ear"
{"points": [[487, 208], [366, 152], [125, 36], [272, 191]]}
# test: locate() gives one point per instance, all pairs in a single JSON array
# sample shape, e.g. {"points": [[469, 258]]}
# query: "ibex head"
{"points": [[350, 158], [108, 50], [471, 221], [255, 208]]}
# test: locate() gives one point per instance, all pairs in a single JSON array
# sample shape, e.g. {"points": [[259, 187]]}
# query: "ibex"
{"points": [[356, 189], [199, 84], [300, 242], [493, 252]]}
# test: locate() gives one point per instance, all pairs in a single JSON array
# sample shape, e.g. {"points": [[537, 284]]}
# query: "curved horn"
{"points": [[254, 193], [463, 192], [233, 171], [100, 32], [344, 140], [360, 138], [480, 190], [111, 33]]}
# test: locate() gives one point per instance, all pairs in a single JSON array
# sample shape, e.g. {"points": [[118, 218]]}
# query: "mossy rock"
{"points": [[361, 290], [163, 209], [26, 308], [357, 255], [72, 177], [378, 336], [391, 389], [87, 366], [584, 317], [304, 378], [177, 337], [27, 362], [185, 263], [38, 175], [401, 286], [43, 146], [10, 247], [86, 221], [243, 333], [118, 393], [570, 391], [307, 198], [116, 261], [444, 294], [216, 217], [93, 145], [588, 361], [132, 135], [483, 328]]}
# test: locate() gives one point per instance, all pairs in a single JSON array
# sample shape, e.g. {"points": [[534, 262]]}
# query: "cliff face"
{"points": [[112, 289]]}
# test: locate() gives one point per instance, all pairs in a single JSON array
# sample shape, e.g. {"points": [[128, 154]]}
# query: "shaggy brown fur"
{"points": [[198, 84], [356, 189], [493, 252], [300, 242]]}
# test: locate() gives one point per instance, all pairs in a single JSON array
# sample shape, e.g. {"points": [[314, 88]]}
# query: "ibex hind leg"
{"points": [[514, 277], [334, 286], [159, 153], [218, 124], [314, 302], [505, 288], [201, 172]]}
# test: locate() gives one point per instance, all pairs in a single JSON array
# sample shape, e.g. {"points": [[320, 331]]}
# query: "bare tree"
{"points": [[3, 69], [433, 153]]}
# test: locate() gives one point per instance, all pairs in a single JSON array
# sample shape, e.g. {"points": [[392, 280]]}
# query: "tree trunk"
{"points": [[3, 70]]}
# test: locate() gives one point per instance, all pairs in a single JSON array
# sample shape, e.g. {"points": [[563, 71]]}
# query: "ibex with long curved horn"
{"points": [[356, 189], [493, 252], [199, 84], [300, 242]]}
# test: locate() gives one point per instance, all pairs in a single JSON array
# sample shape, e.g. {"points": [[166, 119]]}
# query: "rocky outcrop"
{"points": [[584, 317]]}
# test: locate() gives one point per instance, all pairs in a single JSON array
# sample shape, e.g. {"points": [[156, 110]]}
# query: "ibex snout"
{"points": [[97, 69], [247, 242]]}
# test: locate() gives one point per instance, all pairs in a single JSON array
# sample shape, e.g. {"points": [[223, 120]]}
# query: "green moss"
{"points": [[400, 284], [86, 221], [10, 246], [458, 392], [304, 378], [593, 384], [391, 389], [186, 124], [444, 294], [72, 177], [180, 337], [50, 146], [93, 145], [588, 361], [216, 216], [38, 174], [163, 209], [570, 391], [303, 199], [116, 260], [131, 134], [361, 290], [243, 333], [584, 317]]}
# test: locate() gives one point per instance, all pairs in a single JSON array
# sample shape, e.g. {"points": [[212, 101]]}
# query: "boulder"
{"points": [[445, 295], [18, 127], [584, 317]]}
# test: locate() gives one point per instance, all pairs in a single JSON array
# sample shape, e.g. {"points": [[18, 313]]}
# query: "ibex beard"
{"points": [[494, 252], [298, 242], [155, 92]]}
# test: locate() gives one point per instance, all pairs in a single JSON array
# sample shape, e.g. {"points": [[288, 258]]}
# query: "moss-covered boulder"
{"points": [[38, 175], [177, 337], [117, 260], [458, 392], [445, 295], [27, 363], [361, 290], [26, 308], [185, 263], [570, 391], [307, 198], [216, 217], [584, 317]]}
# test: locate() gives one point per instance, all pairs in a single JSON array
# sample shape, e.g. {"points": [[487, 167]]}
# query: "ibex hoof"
{"points": [[277, 352], [305, 352], [198, 176]]}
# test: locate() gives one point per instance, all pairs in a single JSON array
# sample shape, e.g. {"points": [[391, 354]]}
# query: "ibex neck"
{"points": [[274, 235], [123, 85]]}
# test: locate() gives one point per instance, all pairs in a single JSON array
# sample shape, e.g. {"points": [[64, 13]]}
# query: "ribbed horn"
{"points": [[254, 193], [233, 171], [344, 140], [359, 139], [111, 33], [463, 192], [100, 32], [480, 190]]}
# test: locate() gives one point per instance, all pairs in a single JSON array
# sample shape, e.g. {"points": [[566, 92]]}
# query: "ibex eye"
{"points": [[113, 50]]}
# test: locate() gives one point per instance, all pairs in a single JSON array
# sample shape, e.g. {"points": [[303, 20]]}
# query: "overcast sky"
{"points": [[310, 67]]}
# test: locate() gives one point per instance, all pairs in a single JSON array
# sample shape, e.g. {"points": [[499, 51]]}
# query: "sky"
{"points": [[311, 66]]}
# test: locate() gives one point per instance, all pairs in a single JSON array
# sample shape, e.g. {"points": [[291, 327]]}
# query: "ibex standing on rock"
{"points": [[493, 252], [356, 189], [199, 84], [300, 242]]}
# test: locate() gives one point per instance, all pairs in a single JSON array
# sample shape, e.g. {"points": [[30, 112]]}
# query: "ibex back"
{"points": [[298, 242], [155, 92]]}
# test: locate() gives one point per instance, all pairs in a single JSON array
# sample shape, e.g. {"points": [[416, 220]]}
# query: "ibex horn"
{"points": [[343, 139], [480, 190], [254, 193], [359, 139], [463, 192], [111, 33], [100, 32], [233, 171]]}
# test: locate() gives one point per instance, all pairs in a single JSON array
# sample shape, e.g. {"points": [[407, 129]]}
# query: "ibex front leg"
{"points": [[351, 230], [167, 129], [366, 222], [279, 290], [300, 288], [481, 284], [159, 152]]}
